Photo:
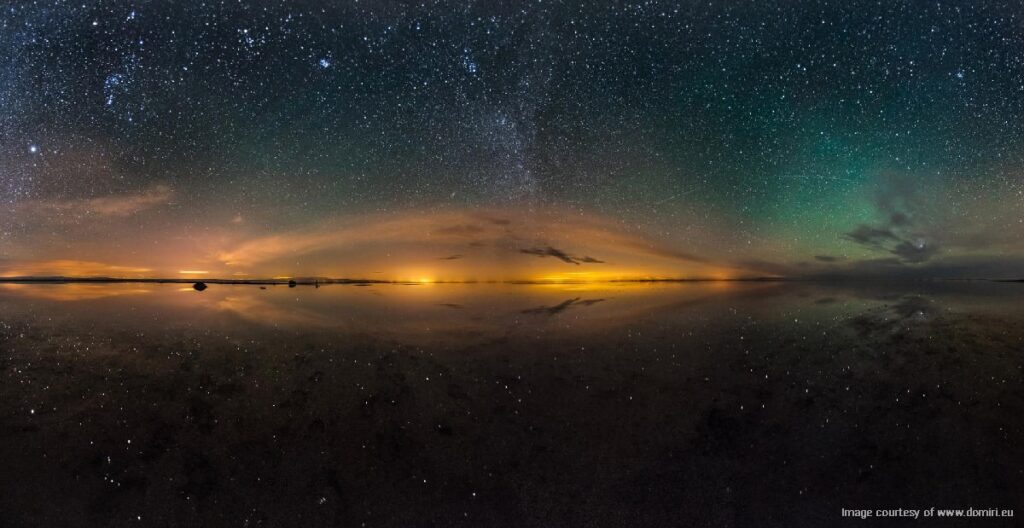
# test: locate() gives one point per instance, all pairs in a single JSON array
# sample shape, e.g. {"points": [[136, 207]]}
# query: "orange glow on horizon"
{"points": [[596, 276], [74, 268], [424, 247]]}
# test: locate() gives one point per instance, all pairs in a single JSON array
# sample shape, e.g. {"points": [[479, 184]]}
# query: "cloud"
{"points": [[875, 237], [909, 248], [129, 204], [412, 239], [463, 230], [898, 234], [914, 252], [826, 258], [560, 255], [111, 206], [550, 252]]}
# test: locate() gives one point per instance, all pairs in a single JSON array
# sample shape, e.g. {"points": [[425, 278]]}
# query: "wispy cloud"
{"points": [[112, 206], [489, 237], [898, 233], [560, 255]]}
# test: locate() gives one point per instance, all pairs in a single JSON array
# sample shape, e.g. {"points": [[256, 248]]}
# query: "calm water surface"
{"points": [[704, 404]]}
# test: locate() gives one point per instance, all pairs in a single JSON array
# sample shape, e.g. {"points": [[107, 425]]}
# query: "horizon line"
{"points": [[315, 281], [346, 280]]}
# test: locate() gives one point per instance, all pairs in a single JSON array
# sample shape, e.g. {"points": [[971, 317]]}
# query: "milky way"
{"points": [[767, 138]]}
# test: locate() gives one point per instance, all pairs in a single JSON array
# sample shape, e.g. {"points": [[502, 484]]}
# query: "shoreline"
{"points": [[323, 281]]}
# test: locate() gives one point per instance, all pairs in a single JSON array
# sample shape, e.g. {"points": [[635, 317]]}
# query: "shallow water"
{"points": [[697, 404]]}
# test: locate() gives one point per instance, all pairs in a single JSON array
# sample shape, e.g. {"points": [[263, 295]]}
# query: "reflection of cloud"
{"points": [[73, 291], [561, 307], [560, 255], [897, 318], [272, 311]]}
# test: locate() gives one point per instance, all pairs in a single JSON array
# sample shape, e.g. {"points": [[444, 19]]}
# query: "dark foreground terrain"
{"points": [[717, 404]]}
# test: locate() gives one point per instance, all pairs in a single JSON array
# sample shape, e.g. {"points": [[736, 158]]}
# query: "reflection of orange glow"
{"points": [[193, 272], [73, 291]]}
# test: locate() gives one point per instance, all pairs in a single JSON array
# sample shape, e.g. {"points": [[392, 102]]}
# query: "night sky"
{"points": [[512, 140]]}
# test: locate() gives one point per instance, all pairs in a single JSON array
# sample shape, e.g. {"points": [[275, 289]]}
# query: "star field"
{"points": [[771, 137]]}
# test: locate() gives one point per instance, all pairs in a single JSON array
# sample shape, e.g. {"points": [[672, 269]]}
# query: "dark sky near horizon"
{"points": [[512, 139]]}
